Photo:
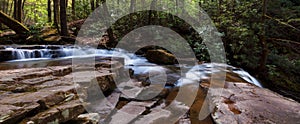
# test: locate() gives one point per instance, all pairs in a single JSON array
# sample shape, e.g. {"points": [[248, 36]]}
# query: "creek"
{"points": [[32, 56]]}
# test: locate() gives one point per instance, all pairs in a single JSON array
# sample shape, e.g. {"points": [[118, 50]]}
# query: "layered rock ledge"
{"points": [[51, 95]]}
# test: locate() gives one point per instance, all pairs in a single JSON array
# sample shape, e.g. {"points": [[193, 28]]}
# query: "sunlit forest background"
{"points": [[260, 36]]}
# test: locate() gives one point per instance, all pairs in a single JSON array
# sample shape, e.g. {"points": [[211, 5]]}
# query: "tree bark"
{"points": [[112, 42], [264, 52], [49, 11], [11, 12], [73, 10], [152, 7], [4, 5], [63, 18], [15, 8], [56, 14], [13, 24], [132, 6], [131, 10], [23, 4], [19, 11], [97, 3], [92, 5], [7, 6]]}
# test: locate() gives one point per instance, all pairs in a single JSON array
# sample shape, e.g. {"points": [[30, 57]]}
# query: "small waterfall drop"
{"points": [[19, 54], [204, 72]]}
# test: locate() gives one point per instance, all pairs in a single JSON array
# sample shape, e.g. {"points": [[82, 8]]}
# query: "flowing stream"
{"points": [[43, 56]]}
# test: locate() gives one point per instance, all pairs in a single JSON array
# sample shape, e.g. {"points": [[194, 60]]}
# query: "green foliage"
{"points": [[284, 75], [82, 8], [240, 22], [35, 11]]}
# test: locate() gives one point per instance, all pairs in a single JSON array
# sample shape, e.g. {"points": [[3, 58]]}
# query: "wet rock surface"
{"points": [[160, 57], [65, 94], [242, 103]]}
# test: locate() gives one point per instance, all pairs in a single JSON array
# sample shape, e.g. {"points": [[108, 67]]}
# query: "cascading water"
{"points": [[140, 65], [205, 71], [21, 54]]}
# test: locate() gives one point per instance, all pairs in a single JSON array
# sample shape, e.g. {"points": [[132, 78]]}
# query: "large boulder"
{"points": [[244, 103], [160, 57]]}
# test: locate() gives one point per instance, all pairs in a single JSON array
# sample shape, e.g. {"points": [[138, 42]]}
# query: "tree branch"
{"points": [[283, 23]]}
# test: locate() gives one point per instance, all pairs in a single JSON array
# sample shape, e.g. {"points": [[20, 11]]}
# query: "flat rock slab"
{"points": [[130, 112], [49, 95], [58, 114], [243, 103], [10, 114]]}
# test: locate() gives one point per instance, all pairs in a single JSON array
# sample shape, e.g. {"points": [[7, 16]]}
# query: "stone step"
{"points": [[57, 114], [46, 97], [38, 80], [102, 107], [61, 70], [12, 76], [11, 114], [54, 83], [163, 114], [130, 112], [90, 83]]}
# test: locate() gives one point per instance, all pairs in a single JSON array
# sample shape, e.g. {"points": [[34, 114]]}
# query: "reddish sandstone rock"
{"points": [[58, 114], [11, 114], [243, 103]]}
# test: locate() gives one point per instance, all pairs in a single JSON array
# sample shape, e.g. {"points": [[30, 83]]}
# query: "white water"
{"points": [[246, 76], [140, 65], [205, 71]]}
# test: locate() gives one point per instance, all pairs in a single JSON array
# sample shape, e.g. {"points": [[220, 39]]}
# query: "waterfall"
{"points": [[48, 52], [247, 77], [19, 54]]}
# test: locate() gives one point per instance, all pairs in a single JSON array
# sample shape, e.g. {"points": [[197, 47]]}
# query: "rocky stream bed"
{"points": [[50, 96]]}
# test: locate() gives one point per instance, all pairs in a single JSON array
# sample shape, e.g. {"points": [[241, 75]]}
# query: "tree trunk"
{"points": [[49, 11], [131, 10], [4, 5], [7, 7], [97, 3], [152, 7], [55, 14], [132, 6], [15, 8], [63, 18], [73, 10], [13, 24], [23, 4], [264, 52], [92, 5], [112, 42], [19, 11], [22, 11], [11, 12]]}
